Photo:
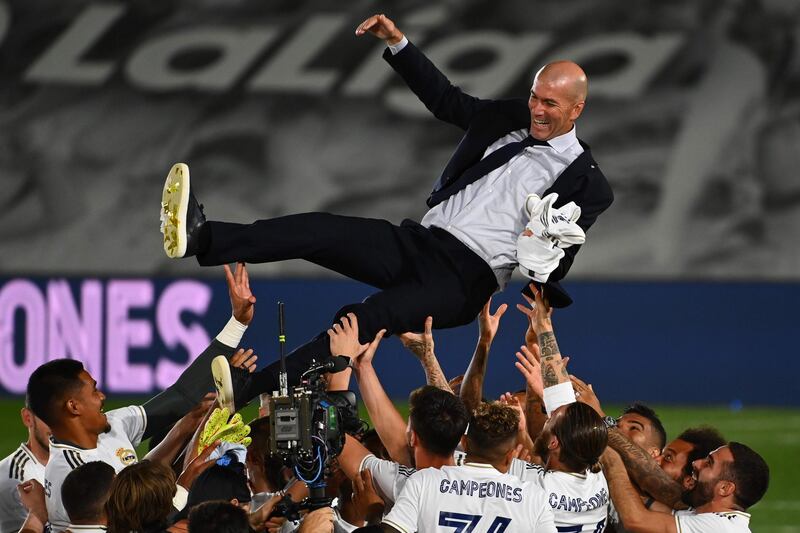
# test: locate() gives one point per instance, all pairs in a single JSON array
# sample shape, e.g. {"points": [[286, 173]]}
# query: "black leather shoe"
{"points": [[181, 215]]}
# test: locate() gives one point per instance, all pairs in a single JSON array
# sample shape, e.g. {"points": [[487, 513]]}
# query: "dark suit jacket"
{"points": [[485, 121]]}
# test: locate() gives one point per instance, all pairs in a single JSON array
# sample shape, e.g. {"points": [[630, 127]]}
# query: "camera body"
{"points": [[308, 426]]}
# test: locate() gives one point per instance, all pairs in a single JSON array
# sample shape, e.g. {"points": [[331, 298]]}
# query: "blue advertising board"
{"points": [[698, 343]]}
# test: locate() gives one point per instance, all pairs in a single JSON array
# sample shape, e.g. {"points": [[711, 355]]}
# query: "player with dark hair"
{"points": [[693, 444], [436, 422], [479, 495], [84, 494], [437, 419], [641, 424], [218, 517], [65, 395]]}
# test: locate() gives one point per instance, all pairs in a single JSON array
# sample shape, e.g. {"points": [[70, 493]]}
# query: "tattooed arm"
{"points": [[421, 345], [627, 502], [554, 371], [645, 472], [472, 386]]}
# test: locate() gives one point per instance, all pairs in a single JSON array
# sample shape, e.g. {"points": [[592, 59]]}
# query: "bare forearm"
{"points": [[32, 525], [553, 369], [387, 420], [644, 471], [535, 414], [340, 380], [433, 372], [472, 386]]}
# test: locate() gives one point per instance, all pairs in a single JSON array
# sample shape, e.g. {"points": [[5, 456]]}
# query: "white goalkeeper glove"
{"points": [[549, 230]]}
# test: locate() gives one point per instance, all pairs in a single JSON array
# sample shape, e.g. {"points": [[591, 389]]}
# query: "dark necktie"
{"points": [[496, 159]]}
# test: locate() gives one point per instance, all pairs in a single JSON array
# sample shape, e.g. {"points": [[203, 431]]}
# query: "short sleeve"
{"points": [[388, 477], [404, 516], [131, 420]]}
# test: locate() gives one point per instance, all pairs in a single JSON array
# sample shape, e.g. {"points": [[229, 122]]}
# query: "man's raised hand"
{"points": [[344, 337], [530, 367], [242, 299], [420, 344], [381, 27], [489, 323]]}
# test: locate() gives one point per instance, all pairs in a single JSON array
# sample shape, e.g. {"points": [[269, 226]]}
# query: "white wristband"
{"points": [[558, 395], [232, 333], [180, 498], [395, 48]]}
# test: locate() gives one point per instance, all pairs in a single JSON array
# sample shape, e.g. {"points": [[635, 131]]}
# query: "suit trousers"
{"points": [[420, 272]]}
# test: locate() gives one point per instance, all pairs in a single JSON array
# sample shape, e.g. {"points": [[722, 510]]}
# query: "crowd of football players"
{"points": [[544, 458]]}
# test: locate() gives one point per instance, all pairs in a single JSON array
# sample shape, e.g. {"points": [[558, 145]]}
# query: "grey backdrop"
{"points": [[278, 108]]}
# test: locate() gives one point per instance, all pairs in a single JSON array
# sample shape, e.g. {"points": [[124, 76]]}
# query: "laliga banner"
{"points": [[693, 114]]}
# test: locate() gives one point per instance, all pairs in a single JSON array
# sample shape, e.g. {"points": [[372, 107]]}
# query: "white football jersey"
{"points": [[729, 522], [116, 448], [474, 497], [576, 499], [18, 467]]}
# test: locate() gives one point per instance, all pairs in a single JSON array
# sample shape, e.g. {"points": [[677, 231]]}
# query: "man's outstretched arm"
{"points": [[169, 406], [387, 420], [472, 387], [446, 101]]}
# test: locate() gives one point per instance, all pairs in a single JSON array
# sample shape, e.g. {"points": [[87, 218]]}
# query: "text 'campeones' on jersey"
{"points": [[474, 497]]}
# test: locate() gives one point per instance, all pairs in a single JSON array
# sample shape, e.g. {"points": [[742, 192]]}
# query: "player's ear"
{"points": [[27, 417], [73, 406], [688, 483], [725, 488], [553, 443], [412, 438]]}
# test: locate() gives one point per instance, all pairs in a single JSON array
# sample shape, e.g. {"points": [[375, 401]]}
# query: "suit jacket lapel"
{"points": [[483, 131]]}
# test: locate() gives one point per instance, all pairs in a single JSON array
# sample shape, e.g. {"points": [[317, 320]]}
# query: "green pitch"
{"points": [[773, 432]]}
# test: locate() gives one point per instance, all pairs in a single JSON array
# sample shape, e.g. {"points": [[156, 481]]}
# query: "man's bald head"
{"points": [[568, 76], [557, 99]]}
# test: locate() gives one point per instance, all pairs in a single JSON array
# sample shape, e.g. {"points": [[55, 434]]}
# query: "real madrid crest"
{"points": [[126, 456]]}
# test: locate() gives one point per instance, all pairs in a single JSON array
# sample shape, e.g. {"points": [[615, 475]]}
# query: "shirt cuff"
{"points": [[180, 498], [558, 395], [395, 48], [232, 333]]}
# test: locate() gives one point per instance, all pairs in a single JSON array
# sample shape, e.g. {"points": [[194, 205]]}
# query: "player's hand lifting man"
{"points": [[242, 299]]}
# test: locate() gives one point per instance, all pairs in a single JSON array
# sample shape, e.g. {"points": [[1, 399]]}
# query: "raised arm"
{"points": [[421, 345], [387, 420], [529, 366], [472, 387], [178, 399], [446, 101]]}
